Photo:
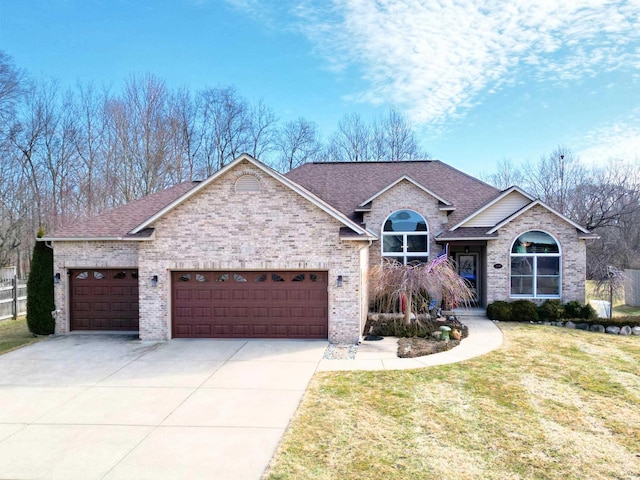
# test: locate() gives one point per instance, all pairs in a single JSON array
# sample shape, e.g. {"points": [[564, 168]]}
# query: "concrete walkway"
{"points": [[484, 336], [109, 407]]}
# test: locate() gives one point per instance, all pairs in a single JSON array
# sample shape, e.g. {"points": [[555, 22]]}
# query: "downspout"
{"points": [[363, 286]]}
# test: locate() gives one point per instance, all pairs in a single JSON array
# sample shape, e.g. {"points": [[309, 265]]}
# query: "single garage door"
{"points": [[250, 304], [103, 299]]}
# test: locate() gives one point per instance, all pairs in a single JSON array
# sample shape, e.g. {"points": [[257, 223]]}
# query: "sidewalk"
{"points": [[484, 336]]}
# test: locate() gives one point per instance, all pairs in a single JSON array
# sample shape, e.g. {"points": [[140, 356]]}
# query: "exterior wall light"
{"points": [[154, 281], [56, 278], [340, 280]]}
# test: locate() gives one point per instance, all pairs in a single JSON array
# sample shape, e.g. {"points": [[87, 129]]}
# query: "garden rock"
{"points": [[582, 326], [625, 330], [635, 331], [596, 328], [612, 329], [570, 325]]}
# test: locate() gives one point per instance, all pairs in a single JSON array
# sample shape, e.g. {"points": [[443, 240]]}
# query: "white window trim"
{"points": [[534, 273], [404, 254]]}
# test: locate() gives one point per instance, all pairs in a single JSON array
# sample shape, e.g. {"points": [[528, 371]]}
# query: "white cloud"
{"points": [[614, 140], [434, 58]]}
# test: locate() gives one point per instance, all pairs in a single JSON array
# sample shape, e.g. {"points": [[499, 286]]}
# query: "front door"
{"points": [[468, 269]]}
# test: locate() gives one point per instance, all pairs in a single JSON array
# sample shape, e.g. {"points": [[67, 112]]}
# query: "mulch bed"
{"points": [[418, 346]]}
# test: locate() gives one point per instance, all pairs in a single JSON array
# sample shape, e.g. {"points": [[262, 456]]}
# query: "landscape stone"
{"points": [[625, 330], [597, 328], [635, 331], [582, 326], [570, 324], [612, 329]]}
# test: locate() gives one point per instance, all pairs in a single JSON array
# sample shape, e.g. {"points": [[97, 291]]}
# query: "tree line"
{"points": [[71, 153]]}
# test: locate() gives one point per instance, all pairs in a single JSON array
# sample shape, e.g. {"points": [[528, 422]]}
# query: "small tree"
{"points": [[40, 301], [390, 283]]}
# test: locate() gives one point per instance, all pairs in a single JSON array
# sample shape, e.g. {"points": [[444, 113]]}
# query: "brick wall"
{"points": [[273, 229], [573, 254], [404, 196], [77, 255]]}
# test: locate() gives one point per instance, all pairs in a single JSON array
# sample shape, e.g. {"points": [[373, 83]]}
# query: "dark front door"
{"points": [[468, 268], [103, 299], [240, 304]]}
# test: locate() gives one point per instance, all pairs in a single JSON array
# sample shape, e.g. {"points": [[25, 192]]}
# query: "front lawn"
{"points": [[550, 404], [15, 334]]}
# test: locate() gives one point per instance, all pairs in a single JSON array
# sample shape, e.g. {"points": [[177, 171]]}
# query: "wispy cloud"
{"points": [[435, 58], [613, 140]]}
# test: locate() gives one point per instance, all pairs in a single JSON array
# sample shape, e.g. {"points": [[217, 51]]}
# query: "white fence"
{"points": [[13, 298]]}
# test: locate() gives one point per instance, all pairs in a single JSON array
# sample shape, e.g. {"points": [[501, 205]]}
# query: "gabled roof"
{"points": [[118, 223], [446, 204], [348, 185], [134, 221], [272, 173], [485, 207], [587, 233]]}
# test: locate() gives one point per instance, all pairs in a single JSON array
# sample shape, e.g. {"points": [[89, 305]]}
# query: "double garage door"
{"points": [[240, 304]]}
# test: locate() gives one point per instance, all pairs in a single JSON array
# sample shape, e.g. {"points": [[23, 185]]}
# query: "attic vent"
{"points": [[247, 183]]}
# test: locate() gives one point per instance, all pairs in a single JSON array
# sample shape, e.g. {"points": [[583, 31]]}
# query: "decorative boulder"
{"points": [[613, 330], [635, 331], [570, 324], [582, 326], [625, 330], [596, 328]]}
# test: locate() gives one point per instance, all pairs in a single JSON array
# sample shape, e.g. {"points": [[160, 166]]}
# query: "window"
{"points": [[405, 237], [535, 266]]}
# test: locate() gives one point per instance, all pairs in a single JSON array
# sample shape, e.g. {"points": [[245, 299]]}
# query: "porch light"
{"points": [[56, 278], [154, 281], [340, 280]]}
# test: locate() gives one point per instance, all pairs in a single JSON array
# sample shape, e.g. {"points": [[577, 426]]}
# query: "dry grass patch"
{"points": [[15, 334], [550, 404]]}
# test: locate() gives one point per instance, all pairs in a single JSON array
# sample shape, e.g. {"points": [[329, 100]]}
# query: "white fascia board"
{"points": [[409, 179], [529, 207], [491, 203], [460, 239], [272, 173], [96, 239]]}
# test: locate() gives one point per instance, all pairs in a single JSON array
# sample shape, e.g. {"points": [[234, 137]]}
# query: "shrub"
{"points": [[40, 301], [499, 310], [550, 310], [573, 309], [588, 313], [524, 311]]}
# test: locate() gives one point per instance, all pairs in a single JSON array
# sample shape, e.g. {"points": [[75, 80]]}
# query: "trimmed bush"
{"points": [[550, 310], [588, 313], [524, 311], [499, 310], [573, 309], [40, 301]]}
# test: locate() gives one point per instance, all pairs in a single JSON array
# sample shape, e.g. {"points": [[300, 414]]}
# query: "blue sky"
{"points": [[481, 81]]}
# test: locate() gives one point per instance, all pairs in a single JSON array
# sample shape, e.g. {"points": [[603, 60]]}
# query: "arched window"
{"points": [[405, 237], [535, 266]]}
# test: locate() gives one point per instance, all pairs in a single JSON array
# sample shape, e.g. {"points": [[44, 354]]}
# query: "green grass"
{"points": [[15, 334], [550, 404], [625, 310]]}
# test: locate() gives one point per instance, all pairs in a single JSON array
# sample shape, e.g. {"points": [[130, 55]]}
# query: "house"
{"points": [[250, 252]]}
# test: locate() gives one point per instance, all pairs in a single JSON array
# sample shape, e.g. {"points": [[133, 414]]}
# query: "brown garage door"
{"points": [[250, 304], [104, 299]]}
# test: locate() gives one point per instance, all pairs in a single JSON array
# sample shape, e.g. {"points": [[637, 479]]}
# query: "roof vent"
{"points": [[247, 183]]}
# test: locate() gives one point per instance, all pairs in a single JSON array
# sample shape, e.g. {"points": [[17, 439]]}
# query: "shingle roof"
{"points": [[345, 185], [117, 223]]}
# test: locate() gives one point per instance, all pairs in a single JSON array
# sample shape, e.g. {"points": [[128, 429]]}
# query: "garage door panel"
{"points": [[251, 304], [104, 299]]}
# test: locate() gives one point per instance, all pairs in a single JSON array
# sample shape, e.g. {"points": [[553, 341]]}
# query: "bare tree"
{"points": [[298, 143], [263, 134], [393, 138], [507, 175], [351, 142]]}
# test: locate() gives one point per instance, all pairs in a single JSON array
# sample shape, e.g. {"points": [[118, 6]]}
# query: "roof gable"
{"points": [[545, 206], [506, 203], [359, 230], [446, 204]]}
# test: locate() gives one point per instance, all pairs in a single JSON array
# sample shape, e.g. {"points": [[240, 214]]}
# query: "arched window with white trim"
{"points": [[536, 266], [405, 237]]}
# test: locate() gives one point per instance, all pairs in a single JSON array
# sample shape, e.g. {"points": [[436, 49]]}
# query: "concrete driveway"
{"points": [[111, 407]]}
